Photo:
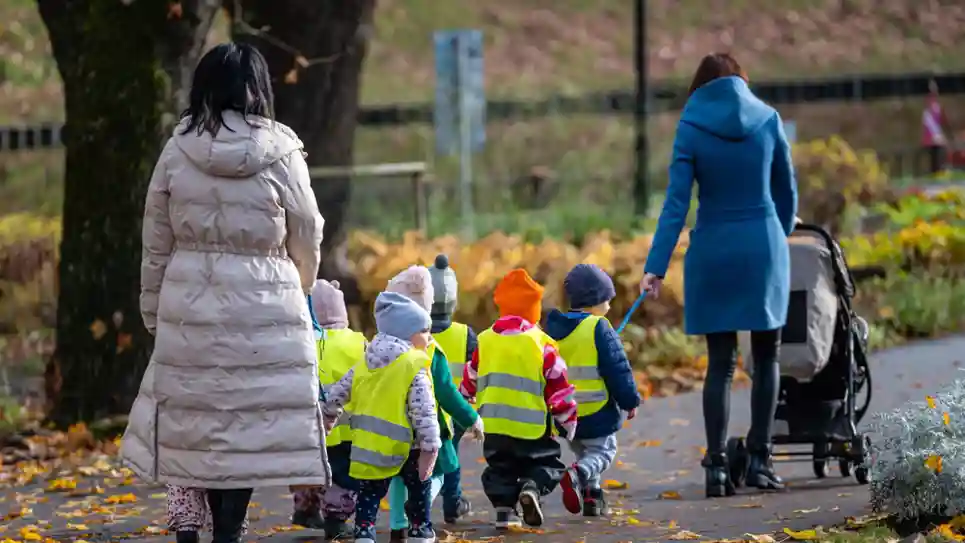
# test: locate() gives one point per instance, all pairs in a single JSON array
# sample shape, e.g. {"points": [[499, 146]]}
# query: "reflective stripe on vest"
{"points": [[579, 351], [381, 433], [338, 351], [454, 341], [510, 386]]}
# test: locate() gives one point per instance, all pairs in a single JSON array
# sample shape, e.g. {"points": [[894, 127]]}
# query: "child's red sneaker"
{"points": [[572, 490]]}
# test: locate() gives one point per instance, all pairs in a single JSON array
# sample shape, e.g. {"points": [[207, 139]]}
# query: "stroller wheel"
{"points": [[737, 460], [844, 465], [861, 475]]}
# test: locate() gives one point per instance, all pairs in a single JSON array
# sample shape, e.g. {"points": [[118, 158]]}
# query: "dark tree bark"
{"points": [[123, 64], [321, 101]]}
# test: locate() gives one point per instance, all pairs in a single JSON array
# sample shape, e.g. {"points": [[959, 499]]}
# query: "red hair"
{"points": [[715, 66]]}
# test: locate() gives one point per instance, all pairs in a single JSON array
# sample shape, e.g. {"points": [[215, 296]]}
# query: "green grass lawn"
{"points": [[541, 46]]}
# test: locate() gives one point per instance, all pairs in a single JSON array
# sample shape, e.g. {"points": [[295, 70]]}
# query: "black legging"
{"points": [[228, 510], [722, 360]]}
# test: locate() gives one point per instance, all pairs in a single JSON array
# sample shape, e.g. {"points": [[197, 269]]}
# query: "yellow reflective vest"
{"points": [[338, 351], [582, 366], [510, 386], [381, 433], [453, 341]]}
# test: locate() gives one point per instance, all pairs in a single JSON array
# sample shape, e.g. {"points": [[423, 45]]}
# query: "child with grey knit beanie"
{"points": [[458, 341]]}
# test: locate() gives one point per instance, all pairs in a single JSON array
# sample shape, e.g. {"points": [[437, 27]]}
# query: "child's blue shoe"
{"points": [[421, 534], [365, 534]]}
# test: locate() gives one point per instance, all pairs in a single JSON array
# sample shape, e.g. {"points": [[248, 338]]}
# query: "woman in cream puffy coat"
{"points": [[231, 247]]}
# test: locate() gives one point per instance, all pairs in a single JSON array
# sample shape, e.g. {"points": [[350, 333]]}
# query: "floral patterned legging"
{"points": [[188, 510]]}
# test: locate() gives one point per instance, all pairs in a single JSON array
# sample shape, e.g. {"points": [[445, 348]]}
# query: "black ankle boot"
{"points": [[760, 470], [717, 480], [187, 536]]}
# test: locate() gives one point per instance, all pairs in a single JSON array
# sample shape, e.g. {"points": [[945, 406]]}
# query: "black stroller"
{"points": [[823, 361]]}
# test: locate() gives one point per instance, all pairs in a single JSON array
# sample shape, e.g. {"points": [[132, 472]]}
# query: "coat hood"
{"points": [[559, 325], [240, 149], [726, 108]]}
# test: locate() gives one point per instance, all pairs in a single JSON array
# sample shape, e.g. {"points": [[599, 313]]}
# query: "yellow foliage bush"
{"points": [[832, 175], [481, 264]]}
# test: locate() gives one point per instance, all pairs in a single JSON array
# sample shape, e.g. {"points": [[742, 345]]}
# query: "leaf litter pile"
{"points": [[68, 486]]}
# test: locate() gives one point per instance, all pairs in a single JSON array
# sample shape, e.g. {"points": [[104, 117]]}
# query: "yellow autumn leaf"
{"points": [[65, 483], [948, 534], [946, 419], [159, 496], [613, 484], [670, 495], [931, 401], [121, 498], [29, 533], [649, 443], [71, 526], [384, 504], [934, 463], [684, 535], [802, 535]]}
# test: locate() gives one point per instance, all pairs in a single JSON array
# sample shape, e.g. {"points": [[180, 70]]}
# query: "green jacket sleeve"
{"points": [[448, 396]]}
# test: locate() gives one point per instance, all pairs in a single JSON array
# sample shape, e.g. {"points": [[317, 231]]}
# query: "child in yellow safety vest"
{"points": [[416, 283], [394, 423], [519, 381], [458, 341], [598, 367], [339, 349]]}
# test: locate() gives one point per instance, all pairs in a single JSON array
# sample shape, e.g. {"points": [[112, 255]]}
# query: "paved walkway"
{"points": [[659, 459]]}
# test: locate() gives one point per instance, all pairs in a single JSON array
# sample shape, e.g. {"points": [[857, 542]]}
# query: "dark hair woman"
{"points": [[737, 267], [230, 249]]}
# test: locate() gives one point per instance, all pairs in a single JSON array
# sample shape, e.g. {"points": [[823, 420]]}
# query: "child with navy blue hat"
{"points": [[597, 366]]}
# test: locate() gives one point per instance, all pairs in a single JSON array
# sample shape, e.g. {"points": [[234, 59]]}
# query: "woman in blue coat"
{"points": [[737, 268]]}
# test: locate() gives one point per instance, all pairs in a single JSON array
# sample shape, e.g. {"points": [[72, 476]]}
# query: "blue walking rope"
{"points": [[633, 309], [311, 311]]}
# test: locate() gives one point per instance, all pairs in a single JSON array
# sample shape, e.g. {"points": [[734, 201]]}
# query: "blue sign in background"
{"points": [[448, 46]]}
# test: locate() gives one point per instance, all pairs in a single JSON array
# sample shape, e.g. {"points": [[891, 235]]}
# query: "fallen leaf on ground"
{"points": [[525, 530], [649, 443], [807, 511], [121, 498], [159, 496], [748, 506], [684, 535], [801, 535], [931, 401], [670, 495], [760, 538], [62, 484], [613, 484]]}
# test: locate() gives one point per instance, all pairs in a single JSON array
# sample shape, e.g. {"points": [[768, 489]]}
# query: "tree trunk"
{"points": [[122, 63], [320, 101]]}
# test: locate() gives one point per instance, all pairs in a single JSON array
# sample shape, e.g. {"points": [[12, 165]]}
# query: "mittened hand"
{"points": [[477, 429], [427, 463]]}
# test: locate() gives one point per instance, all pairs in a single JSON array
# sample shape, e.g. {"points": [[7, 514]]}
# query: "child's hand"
{"points": [[427, 463], [329, 425], [477, 431], [631, 413]]}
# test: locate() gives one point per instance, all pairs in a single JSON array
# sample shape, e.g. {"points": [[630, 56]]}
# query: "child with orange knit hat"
{"points": [[519, 381]]}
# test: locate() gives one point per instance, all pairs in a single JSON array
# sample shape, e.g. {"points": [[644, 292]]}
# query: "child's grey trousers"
{"points": [[593, 457]]}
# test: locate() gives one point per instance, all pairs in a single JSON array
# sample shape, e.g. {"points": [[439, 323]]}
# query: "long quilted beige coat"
{"points": [[231, 247]]}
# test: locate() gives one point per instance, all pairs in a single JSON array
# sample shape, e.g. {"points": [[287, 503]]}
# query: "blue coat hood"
{"points": [[726, 108]]}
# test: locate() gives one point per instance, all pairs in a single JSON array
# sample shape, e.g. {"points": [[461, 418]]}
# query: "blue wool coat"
{"points": [[737, 267], [614, 369]]}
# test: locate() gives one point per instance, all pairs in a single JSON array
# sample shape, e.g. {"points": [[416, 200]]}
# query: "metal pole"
{"points": [[465, 143], [641, 174]]}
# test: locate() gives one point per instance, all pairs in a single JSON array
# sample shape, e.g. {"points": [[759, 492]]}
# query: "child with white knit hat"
{"points": [[416, 283]]}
